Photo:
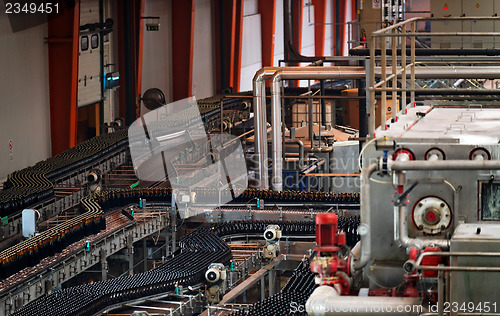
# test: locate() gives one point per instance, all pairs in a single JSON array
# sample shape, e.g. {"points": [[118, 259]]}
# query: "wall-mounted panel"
{"points": [[89, 61], [478, 8], [446, 8]]}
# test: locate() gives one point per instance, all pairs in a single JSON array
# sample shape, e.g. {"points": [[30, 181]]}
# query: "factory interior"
{"points": [[250, 157]]}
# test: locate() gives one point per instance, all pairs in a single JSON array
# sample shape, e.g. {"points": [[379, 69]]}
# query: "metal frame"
{"points": [[54, 207], [75, 263], [400, 67]]}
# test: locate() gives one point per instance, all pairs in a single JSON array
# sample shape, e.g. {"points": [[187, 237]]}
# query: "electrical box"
{"points": [[112, 80], [470, 286], [496, 24], [478, 8], [29, 223], [446, 8]]}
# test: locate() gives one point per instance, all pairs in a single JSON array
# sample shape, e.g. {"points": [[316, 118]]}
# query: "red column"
{"points": [[229, 19], [63, 41], [297, 24], [267, 11], [182, 48], [343, 14], [319, 26], [236, 42]]}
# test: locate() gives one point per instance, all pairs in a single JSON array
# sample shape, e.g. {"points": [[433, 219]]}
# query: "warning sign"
{"points": [[376, 4]]}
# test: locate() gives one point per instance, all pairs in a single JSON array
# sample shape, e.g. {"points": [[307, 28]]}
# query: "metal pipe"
{"points": [[298, 73], [419, 243], [312, 167], [444, 165], [260, 122], [364, 227], [444, 72], [418, 264], [310, 118], [323, 105], [430, 51], [326, 301], [301, 148]]}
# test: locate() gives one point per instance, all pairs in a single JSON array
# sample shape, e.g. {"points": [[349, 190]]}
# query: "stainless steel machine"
{"points": [[430, 190]]}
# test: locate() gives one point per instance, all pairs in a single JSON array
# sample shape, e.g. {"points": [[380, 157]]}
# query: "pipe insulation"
{"points": [[305, 73], [326, 301]]}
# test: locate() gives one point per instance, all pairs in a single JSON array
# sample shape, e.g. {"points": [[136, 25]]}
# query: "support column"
{"points": [[319, 26], [129, 33], [182, 48], [130, 254], [229, 35], [144, 255], [263, 288], [104, 265], [272, 282], [267, 11], [63, 46], [140, 43], [236, 44], [173, 223]]}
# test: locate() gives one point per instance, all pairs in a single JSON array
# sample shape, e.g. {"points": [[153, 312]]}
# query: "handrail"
{"points": [[400, 69]]}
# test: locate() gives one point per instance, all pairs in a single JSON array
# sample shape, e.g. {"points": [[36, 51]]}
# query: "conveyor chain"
{"points": [[186, 266], [292, 298], [91, 220], [34, 184]]}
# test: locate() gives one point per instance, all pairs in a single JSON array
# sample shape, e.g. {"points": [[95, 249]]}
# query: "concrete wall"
{"points": [[308, 47], [204, 54], [251, 46], [24, 97], [157, 50], [279, 51], [329, 29]]}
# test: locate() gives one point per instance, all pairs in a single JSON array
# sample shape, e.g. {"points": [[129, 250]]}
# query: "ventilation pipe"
{"points": [[313, 73], [260, 126]]}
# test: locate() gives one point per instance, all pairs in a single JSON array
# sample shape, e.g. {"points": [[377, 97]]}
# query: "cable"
{"points": [[364, 147], [380, 181]]}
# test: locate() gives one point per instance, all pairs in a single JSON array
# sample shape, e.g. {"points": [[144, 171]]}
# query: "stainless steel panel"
{"points": [[476, 287]]}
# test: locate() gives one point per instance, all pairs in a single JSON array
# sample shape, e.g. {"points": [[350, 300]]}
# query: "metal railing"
{"points": [[401, 70]]}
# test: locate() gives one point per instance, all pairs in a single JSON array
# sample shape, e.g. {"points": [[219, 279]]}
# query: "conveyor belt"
{"points": [[292, 298], [186, 266], [34, 184], [28, 186], [91, 221]]}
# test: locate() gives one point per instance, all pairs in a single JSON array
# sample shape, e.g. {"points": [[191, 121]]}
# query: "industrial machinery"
{"points": [[408, 221], [429, 194], [216, 276], [272, 235]]}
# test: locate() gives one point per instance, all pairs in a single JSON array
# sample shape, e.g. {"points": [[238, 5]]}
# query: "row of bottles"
{"points": [[186, 266], [292, 298], [244, 196], [34, 184]]}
